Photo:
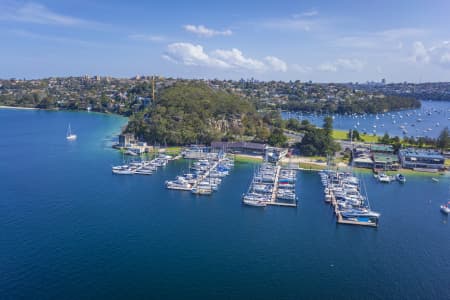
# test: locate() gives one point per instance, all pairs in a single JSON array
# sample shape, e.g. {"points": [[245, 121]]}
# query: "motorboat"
{"points": [[256, 203], [383, 178], [400, 178], [445, 208], [123, 170], [179, 184]]}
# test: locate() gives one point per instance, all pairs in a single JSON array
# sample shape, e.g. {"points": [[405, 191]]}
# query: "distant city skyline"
{"points": [[321, 41]]}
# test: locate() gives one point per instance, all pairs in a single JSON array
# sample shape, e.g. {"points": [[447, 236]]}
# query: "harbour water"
{"points": [[71, 229], [428, 120]]}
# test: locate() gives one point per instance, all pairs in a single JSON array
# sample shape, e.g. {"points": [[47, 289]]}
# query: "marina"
{"points": [[344, 192], [272, 185], [142, 166], [204, 176]]}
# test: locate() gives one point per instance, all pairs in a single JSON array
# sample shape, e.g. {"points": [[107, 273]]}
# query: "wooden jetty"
{"points": [[273, 198], [341, 220]]}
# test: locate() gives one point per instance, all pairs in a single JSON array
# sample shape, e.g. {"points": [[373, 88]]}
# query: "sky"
{"points": [[322, 41]]}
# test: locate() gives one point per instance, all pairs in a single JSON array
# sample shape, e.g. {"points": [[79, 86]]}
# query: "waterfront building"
{"points": [[240, 147], [274, 154], [381, 148], [385, 161], [421, 159], [384, 158], [126, 139], [198, 152], [361, 157]]}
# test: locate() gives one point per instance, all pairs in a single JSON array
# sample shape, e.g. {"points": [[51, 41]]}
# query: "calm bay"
{"points": [[70, 229]]}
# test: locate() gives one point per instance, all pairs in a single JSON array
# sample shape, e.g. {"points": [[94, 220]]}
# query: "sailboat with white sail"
{"points": [[70, 136]]}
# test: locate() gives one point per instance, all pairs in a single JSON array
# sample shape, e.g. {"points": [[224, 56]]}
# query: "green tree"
{"points": [[328, 126], [354, 134], [385, 139], [443, 141], [277, 138]]}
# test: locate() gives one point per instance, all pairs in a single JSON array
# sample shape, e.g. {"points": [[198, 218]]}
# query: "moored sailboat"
{"points": [[70, 136]]}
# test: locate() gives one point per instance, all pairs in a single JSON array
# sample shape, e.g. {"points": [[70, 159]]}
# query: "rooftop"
{"points": [[382, 148], [244, 145], [385, 158], [363, 159], [431, 154]]}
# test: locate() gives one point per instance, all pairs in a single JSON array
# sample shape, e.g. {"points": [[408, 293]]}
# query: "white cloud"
{"points": [[401, 33], [327, 67], [445, 59], [354, 65], [310, 13], [203, 31], [194, 55], [420, 53], [438, 54], [300, 69], [304, 21], [235, 58], [147, 37], [387, 40], [38, 14], [276, 64]]}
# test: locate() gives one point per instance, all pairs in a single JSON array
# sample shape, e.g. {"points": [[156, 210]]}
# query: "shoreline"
{"points": [[19, 107], [312, 166], [244, 158]]}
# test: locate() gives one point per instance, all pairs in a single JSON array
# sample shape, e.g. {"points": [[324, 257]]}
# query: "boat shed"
{"points": [[126, 139], [240, 147], [422, 159], [385, 161], [380, 148]]}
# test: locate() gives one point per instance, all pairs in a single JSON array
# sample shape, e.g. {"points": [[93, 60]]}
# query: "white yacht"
{"points": [[384, 178], [257, 203], [445, 208], [70, 136]]}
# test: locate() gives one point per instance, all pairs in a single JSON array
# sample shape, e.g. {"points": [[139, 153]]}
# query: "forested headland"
{"points": [[353, 106], [193, 112]]}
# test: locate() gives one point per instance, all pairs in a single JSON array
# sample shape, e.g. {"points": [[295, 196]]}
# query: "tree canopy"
{"points": [[193, 112]]}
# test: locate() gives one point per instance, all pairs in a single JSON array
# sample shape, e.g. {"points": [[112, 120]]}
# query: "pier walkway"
{"points": [[273, 198], [341, 220]]}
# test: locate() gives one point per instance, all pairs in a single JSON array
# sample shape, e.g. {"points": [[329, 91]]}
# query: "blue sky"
{"points": [[322, 41]]}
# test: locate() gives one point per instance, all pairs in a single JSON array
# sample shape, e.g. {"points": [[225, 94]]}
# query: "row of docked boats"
{"points": [[142, 167], [384, 178], [343, 191], [203, 177], [270, 183], [262, 186], [286, 185]]}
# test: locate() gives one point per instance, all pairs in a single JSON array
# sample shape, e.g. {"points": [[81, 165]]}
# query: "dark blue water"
{"points": [[434, 115], [69, 229]]}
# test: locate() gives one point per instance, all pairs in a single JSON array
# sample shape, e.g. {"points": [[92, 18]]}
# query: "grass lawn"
{"points": [[342, 135], [311, 166], [173, 150], [247, 159]]}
